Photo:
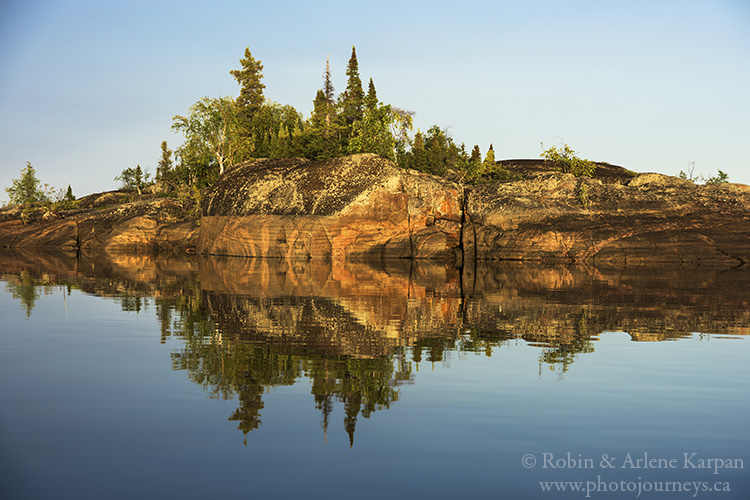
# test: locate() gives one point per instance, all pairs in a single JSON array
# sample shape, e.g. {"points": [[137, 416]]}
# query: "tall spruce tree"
{"points": [[371, 99], [320, 110], [476, 155], [328, 93], [251, 88], [353, 97], [322, 139], [373, 134], [419, 153], [489, 160], [164, 167]]}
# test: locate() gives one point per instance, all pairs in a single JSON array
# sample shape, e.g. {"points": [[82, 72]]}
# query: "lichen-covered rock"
{"points": [[140, 226], [654, 218], [357, 207], [363, 207]]}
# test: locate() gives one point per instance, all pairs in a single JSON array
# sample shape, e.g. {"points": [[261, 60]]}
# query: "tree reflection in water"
{"points": [[247, 363], [358, 332]]}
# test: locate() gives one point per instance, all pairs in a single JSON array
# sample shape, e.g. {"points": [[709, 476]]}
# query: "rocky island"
{"points": [[364, 208]]}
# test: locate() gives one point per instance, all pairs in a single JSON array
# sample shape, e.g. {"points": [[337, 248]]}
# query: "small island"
{"points": [[352, 183]]}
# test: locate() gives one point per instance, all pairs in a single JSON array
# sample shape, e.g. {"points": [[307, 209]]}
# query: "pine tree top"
{"points": [[249, 77]]}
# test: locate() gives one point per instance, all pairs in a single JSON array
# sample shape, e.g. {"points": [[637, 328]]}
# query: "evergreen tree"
{"points": [[419, 153], [69, 194], [371, 99], [441, 152], [251, 88], [328, 93], [489, 170], [320, 110], [27, 189], [322, 139], [474, 167], [373, 134], [353, 97], [138, 178], [489, 160], [462, 164], [476, 155], [164, 168], [133, 179]]}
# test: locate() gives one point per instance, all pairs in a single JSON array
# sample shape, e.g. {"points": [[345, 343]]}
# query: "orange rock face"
{"points": [[652, 218], [355, 208], [363, 208], [137, 227]]}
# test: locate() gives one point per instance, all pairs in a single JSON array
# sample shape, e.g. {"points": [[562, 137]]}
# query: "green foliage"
{"points": [[64, 200], [476, 156], [352, 100], [566, 160], [418, 160], [26, 189], [402, 122], [214, 137], [583, 195], [133, 179], [690, 175], [24, 288], [372, 133], [487, 171], [433, 152], [164, 167], [251, 88], [720, 178], [275, 132], [222, 132], [442, 153], [190, 198]]}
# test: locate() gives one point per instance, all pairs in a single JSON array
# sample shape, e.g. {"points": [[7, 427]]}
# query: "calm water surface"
{"points": [[135, 377]]}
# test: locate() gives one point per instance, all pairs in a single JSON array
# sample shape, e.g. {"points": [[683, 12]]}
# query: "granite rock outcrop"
{"points": [[97, 226], [360, 207], [652, 218], [363, 207]]}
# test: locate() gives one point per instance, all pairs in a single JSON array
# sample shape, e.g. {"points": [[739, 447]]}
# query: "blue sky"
{"points": [[88, 88]]}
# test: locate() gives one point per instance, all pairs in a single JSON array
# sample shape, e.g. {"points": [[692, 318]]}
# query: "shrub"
{"points": [[720, 178], [566, 160]]}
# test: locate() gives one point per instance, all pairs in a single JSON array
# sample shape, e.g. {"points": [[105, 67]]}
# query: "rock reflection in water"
{"points": [[358, 332]]}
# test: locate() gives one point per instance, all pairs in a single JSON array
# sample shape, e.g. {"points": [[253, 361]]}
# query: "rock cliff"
{"points": [[648, 219], [360, 207], [103, 223], [363, 207]]}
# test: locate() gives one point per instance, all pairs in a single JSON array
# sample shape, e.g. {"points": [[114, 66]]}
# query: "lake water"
{"points": [[135, 377]]}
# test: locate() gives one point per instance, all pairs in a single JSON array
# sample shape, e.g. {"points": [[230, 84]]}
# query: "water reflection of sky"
{"points": [[108, 397]]}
